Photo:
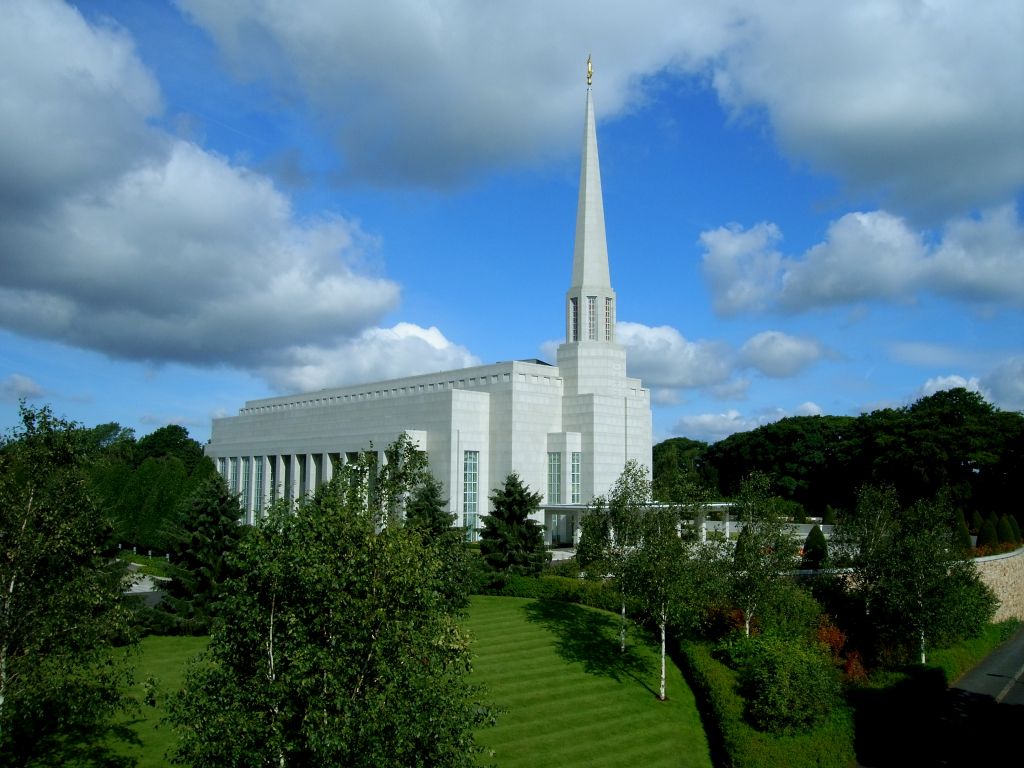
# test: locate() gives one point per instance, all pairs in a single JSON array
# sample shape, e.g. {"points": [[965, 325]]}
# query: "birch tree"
{"points": [[609, 532], [60, 604], [338, 643]]}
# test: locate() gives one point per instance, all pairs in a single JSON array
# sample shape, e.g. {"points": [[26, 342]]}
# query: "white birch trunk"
{"points": [[622, 627], [662, 689]]}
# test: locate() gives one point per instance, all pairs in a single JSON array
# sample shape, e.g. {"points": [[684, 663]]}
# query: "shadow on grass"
{"points": [[84, 747], [920, 722], [590, 638]]}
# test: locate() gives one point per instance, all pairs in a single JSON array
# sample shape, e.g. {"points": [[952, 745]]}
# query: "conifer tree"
{"points": [[510, 541]]}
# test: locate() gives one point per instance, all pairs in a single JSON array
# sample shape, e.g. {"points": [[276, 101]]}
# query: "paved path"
{"points": [[1000, 674]]}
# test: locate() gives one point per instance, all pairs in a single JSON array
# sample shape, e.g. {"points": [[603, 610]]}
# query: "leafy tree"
{"points": [[61, 603], [172, 440], [201, 541], [764, 552], [919, 589], [676, 468], [610, 531], [815, 548], [510, 541], [334, 647], [662, 573]]}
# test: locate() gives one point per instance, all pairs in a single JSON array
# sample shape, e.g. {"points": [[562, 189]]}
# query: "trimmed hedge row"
{"points": [[596, 594], [829, 745]]}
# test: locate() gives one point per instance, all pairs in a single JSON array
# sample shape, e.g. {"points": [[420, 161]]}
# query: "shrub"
{"points": [[790, 613], [976, 522], [830, 745], [597, 594], [962, 537], [789, 686], [1016, 528], [1004, 532], [829, 517], [987, 536], [815, 548]]}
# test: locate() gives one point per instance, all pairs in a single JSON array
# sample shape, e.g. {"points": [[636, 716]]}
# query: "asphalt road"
{"points": [[1000, 674]]}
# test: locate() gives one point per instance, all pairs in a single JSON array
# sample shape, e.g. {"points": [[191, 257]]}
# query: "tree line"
{"points": [[952, 442]]}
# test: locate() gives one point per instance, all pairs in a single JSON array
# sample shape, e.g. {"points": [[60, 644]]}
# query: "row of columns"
{"points": [[262, 480]]}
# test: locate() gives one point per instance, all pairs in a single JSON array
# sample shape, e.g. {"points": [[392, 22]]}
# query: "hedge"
{"points": [[596, 594], [829, 745]]}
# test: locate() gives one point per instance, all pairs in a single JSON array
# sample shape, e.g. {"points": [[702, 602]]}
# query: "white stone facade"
{"points": [[567, 430]]}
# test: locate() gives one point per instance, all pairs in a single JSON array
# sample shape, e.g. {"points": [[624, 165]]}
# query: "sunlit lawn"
{"points": [[570, 697]]}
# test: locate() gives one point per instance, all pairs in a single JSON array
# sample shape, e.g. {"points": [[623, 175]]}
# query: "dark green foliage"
{"points": [[917, 588], [1004, 531], [1015, 527], [962, 536], [676, 469], [789, 686], [336, 645], [829, 745], [829, 517], [790, 613], [951, 440], [510, 540], [61, 605], [597, 594], [426, 509], [202, 541], [815, 549], [976, 522], [763, 552], [171, 441], [988, 536]]}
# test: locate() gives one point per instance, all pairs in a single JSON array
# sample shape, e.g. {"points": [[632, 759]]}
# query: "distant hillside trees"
{"points": [[140, 483], [952, 441]]}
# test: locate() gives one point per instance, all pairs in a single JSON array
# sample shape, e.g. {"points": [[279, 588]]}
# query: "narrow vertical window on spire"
{"points": [[592, 318], [574, 319], [609, 318]]}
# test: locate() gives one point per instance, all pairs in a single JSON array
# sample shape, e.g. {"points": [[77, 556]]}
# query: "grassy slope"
{"points": [[164, 658], [570, 698]]}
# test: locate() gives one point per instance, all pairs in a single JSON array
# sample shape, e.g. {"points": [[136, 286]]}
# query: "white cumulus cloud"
{"points": [[779, 355], [662, 358], [17, 386]]}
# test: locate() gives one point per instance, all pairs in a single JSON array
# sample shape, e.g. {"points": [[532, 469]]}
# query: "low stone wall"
{"points": [[1005, 574]]}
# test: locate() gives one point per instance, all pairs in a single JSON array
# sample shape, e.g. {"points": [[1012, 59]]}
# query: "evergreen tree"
{"points": [[1015, 527], [202, 541], [1004, 531], [426, 509], [962, 536], [510, 541], [976, 522], [987, 536], [815, 549]]}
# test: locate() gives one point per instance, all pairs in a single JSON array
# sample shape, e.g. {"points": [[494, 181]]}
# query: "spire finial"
{"points": [[590, 71]]}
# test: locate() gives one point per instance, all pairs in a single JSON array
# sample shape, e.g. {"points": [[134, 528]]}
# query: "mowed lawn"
{"points": [[570, 698], [164, 659]]}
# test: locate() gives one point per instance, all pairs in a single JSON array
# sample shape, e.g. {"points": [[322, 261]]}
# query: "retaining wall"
{"points": [[1005, 575]]}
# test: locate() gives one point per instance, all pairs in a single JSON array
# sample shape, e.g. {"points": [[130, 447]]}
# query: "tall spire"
{"points": [[590, 257], [590, 302]]}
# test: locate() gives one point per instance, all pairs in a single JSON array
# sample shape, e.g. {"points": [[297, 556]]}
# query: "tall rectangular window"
{"points": [[257, 504], [554, 478], [245, 484], [574, 319], [233, 474], [609, 318], [470, 492], [222, 468], [592, 318], [576, 473]]}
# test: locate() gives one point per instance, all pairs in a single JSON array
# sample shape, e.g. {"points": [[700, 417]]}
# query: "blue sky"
{"points": [[812, 207]]}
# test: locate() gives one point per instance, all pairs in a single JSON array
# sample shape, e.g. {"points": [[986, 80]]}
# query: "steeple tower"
{"points": [[590, 361], [590, 301]]}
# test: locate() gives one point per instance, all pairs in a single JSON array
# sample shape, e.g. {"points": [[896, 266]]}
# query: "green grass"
{"points": [[570, 698], [966, 654], [165, 659], [151, 566]]}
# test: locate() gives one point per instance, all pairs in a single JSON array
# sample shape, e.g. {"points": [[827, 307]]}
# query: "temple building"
{"points": [[567, 429]]}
